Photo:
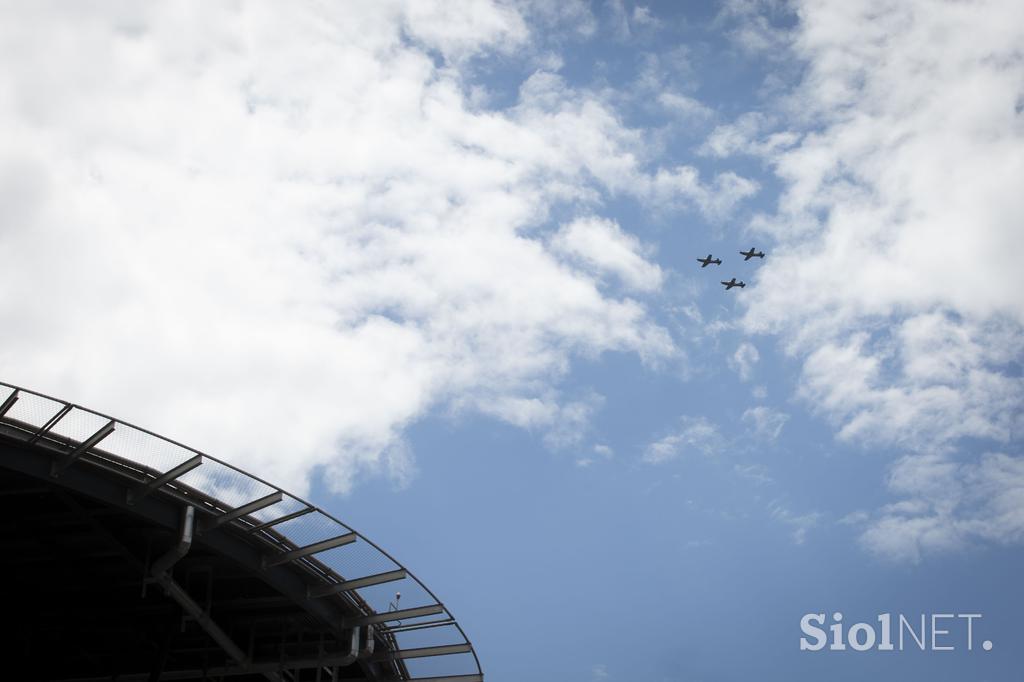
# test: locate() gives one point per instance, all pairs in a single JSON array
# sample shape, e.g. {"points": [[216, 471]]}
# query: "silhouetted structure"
{"points": [[127, 556]]}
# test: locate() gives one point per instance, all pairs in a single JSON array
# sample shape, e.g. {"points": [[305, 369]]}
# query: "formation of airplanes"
{"points": [[747, 255]]}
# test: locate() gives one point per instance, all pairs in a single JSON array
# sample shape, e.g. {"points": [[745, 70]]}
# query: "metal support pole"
{"points": [[91, 442], [9, 403], [50, 424], [160, 571], [244, 510], [141, 491]]}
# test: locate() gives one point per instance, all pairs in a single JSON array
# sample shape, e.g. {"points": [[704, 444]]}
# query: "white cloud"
{"points": [[895, 275], [563, 423], [669, 78], [758, 473], [642, 17], [743, 360], [855, 518], [949, 506], [603, 246], [684, 106], [754, 27], [267, 229], [913, 167], [625, 25], [682, 186], [599, 451], [940, 390], [747, 135], [572, 18], [459, 31], [582, 136], [694, 433], [572, 423], [800, 523], [766, 422]]}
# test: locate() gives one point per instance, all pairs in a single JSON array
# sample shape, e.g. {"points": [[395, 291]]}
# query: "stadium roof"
{"points": [[129, 556]]}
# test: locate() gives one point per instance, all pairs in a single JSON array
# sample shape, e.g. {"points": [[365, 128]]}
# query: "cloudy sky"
{"points": [[433, 265]]}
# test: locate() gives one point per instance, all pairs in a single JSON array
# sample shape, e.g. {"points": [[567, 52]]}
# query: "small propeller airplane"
{"points": [[709, 261], [733, 283], [751, 254]]}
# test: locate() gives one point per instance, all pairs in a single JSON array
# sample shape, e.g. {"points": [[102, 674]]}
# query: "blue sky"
{"points": [[433, 265]]}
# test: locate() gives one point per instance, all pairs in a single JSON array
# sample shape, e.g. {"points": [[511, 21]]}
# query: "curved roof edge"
{"points": [[336, 561]]}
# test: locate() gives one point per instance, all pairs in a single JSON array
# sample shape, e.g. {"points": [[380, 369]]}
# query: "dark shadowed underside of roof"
{"points": [[128, 556]]}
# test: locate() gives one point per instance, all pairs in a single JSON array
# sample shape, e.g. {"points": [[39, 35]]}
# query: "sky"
{"points": [[433, 266]]}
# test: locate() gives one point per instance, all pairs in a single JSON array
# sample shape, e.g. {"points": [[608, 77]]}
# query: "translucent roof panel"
{"points": [[33, 409], [78, 425]]}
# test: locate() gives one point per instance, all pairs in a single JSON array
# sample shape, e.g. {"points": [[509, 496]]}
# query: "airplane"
{"points": [[708, 261], [733, 283], [752, 254]]}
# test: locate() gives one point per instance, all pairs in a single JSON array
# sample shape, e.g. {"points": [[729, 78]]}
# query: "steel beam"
{"points": [[282, 519], [423, 652], [139, 492], [346, 585], [394, 615], [8, 403], [50, 424], [244, 510], [322, 546], [60, 465], [174, 591], [422, 625]]}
